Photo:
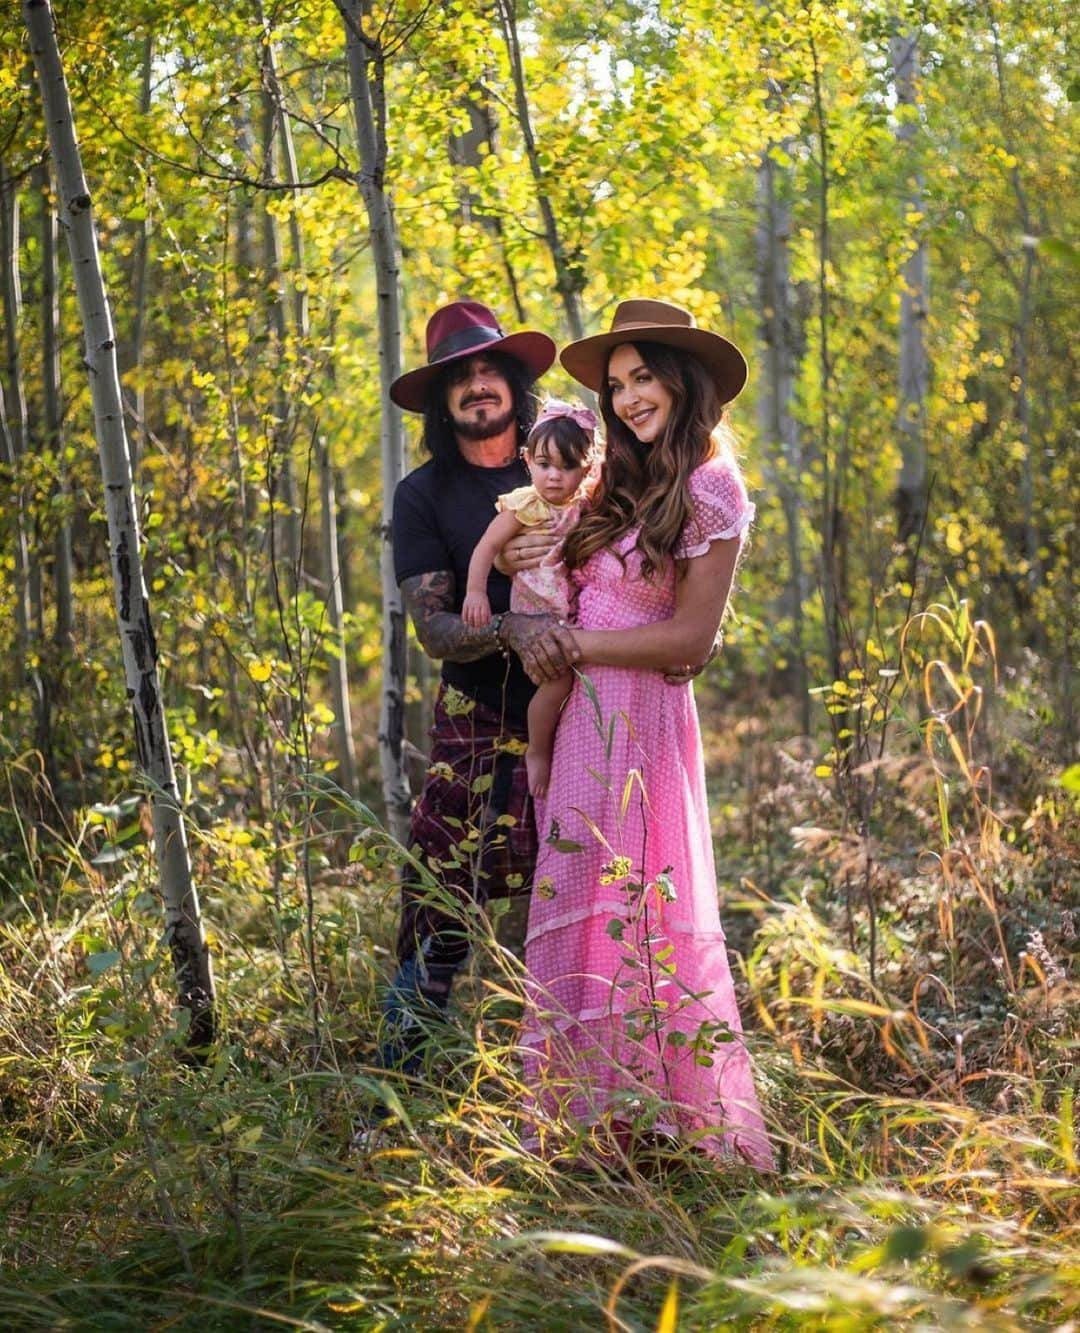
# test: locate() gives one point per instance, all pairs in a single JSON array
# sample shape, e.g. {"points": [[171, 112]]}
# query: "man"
{"points": [[472, 826]]}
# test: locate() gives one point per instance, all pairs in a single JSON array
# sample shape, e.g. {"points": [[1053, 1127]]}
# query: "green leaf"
{"points": [[905, 1243], [572, 1242], [101, 962], [1056, 248], [968, 1259], [567, 845]]}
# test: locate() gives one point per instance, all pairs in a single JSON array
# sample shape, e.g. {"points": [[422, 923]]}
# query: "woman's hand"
{"points": [[526, 550], [686, 673], [546, 646]]}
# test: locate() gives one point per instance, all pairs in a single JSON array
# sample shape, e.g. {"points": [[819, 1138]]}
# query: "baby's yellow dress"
{"points": [[547, 587]]}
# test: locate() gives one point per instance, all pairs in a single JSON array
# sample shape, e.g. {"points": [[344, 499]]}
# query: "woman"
{"points": [[632, 1022]]}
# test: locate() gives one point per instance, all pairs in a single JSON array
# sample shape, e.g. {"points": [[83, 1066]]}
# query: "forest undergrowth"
{"points": [[871, 201], [900, 894]]}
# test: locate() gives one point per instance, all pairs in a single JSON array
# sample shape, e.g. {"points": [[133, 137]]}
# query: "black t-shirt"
{"points": [[438, 520]]}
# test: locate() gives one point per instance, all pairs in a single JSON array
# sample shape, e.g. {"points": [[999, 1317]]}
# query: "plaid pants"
{"points": [[472, 827], [473, 831]]}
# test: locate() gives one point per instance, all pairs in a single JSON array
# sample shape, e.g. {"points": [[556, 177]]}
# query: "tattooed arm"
{"points": [[545, 647], [429, 599]]}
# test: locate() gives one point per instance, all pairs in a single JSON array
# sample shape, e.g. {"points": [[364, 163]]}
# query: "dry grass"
{"points": [[910, 985]]}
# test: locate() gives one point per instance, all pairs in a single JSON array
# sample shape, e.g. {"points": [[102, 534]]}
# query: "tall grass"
{"points": [[916, 1070]]}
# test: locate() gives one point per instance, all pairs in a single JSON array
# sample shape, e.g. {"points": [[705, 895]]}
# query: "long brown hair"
{"points": [[648, 484]]}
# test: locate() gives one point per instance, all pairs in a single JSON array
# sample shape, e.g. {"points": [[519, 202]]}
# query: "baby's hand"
{"points": [[476, 610]]}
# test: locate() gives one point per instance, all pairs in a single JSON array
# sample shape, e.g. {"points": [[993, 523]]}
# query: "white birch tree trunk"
{"points": [[368, 89], [183, 924], [911, 496]]}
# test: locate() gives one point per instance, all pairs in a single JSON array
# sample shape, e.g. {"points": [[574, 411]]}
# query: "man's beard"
{"points": [[483, 429]]}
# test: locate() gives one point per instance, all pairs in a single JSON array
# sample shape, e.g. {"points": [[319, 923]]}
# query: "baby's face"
{"points": [[553, 478]]}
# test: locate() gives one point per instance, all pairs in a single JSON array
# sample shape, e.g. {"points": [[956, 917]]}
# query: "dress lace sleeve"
{"points": [[719, 508]]}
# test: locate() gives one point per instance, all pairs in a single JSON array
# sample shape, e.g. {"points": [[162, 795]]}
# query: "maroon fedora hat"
{"points": [[465, 328]]}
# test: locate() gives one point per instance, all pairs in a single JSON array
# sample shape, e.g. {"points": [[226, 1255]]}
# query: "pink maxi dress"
{"points": [[630, 1014]]}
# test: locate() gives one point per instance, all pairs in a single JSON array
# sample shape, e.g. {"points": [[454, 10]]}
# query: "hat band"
{"points": [[651, 328], [477, 335]]}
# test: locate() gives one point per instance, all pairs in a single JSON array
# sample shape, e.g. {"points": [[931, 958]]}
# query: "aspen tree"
{"points": [[569, 279], [13, 438], [776, 396], [183, 924], [914, 367], [54, 412], [1022, 323], [366, 56], [140, 282], [833, 518], [465, 151], [284, 511], [331, 565]]}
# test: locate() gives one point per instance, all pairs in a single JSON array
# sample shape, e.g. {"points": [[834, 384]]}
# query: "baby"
{"points": [[558, 454]]}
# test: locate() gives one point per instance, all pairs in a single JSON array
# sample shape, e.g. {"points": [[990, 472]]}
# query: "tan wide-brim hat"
{"points": [[657, 322]]}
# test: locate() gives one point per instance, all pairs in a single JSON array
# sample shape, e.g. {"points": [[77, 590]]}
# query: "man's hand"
{"points": [[526, 550], [546, 647]]}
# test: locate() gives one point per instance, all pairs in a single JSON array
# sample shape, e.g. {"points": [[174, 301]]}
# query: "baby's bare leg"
{"points": [[544, 713]]}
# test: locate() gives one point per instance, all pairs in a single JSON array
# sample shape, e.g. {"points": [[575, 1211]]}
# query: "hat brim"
{"points": [[535, 351], [587, 360]]}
